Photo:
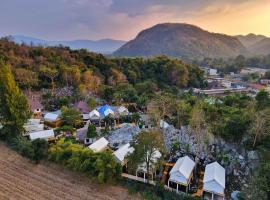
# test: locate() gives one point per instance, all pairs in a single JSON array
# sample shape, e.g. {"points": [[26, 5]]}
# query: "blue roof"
{"points": [[102, 109]]}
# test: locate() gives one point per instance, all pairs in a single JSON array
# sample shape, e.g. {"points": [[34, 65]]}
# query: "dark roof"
{"points": [[34, 104], [82, 106]]}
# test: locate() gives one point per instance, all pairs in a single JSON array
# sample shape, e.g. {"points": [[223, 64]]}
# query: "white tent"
{"points": [[214, 179], [99, 145], [182, 171], [163, 124], [108, 112], [42, 134], [51, 117], [122, 152], [94, 114], [122, 110], [155, 156]]}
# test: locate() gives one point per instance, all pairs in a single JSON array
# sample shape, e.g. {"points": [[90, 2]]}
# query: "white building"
{"points": [[182, 172], [51, 117], [122, 152], [33, 125], [99, 145], [122, 110], [94, 115], [152, 168], [45, 134], [214, 180]]}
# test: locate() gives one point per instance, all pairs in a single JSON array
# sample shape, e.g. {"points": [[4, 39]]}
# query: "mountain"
{"points": [[100, 46], [181, 40], [250, 39], [262, 47]]}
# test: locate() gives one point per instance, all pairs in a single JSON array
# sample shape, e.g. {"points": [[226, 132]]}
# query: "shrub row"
{"points": [[101, 166]]}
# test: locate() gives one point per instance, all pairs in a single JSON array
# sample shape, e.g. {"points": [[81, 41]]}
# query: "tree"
{"points": [[145, 145], [71, 116], [14, 108], [92, 131], [26, 78], [198, 125], [91, 102], [260, 125], [160, 107], [263, 99], [50, 73], [183, 110], [91, 81]]}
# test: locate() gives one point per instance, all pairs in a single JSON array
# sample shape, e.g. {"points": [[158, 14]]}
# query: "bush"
{"points": [[101, 166], [91, 132], [40, 148], [35, 150]]}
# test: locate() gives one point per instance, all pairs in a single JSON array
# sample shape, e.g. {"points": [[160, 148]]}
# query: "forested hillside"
{"points": [[51, 67], [182, 41]]}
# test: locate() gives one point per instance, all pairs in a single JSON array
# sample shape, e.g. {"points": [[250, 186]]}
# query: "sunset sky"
{"points": [[123, 19]]}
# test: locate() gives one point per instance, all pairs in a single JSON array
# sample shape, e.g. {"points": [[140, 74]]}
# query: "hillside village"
{"points": [[197, 133]]}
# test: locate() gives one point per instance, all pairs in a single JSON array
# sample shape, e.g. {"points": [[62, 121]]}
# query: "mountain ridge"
{"points": [[100, 46], [181, 40]]}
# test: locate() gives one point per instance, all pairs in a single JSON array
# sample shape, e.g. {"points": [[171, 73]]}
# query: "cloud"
{"points": [[120, 19]]}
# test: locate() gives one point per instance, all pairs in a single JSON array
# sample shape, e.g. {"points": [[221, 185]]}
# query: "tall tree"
{"points": [[260, 125], [50, 73], [160, 107], [14, 108], [26, 78], [198, 125], [145, 145]]}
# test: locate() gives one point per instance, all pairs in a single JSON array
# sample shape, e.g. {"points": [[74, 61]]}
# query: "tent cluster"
{"points": [[107, 110], [213, 180]]}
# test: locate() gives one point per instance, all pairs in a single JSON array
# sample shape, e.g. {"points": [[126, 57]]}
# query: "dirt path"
{"points": [[23, 180]]}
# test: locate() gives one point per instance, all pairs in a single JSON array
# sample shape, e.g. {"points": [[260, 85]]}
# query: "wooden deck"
{"points": [[200, 185]]}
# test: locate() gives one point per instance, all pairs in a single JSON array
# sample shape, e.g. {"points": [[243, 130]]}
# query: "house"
{"points": [[210, 71], [182, 172], [82, 106], [94, 115], [142, 168], [33, 125], [52, 119], [45, 134], [122, 152], [99, 145], [105, 110], [36, 107], [265, 81], [214, 180]]}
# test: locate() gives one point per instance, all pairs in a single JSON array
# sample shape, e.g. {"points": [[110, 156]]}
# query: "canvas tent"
{"points": [[122, 152], [214, 179], [164, 124], [46, 134], [122, 110], [94, 114], [99, 145], [182, 172]]}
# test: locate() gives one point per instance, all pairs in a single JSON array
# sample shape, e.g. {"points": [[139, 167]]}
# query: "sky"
{"points": [[124, 19]]}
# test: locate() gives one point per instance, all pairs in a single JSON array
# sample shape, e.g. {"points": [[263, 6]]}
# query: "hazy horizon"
{"points": [[124, 19]]}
